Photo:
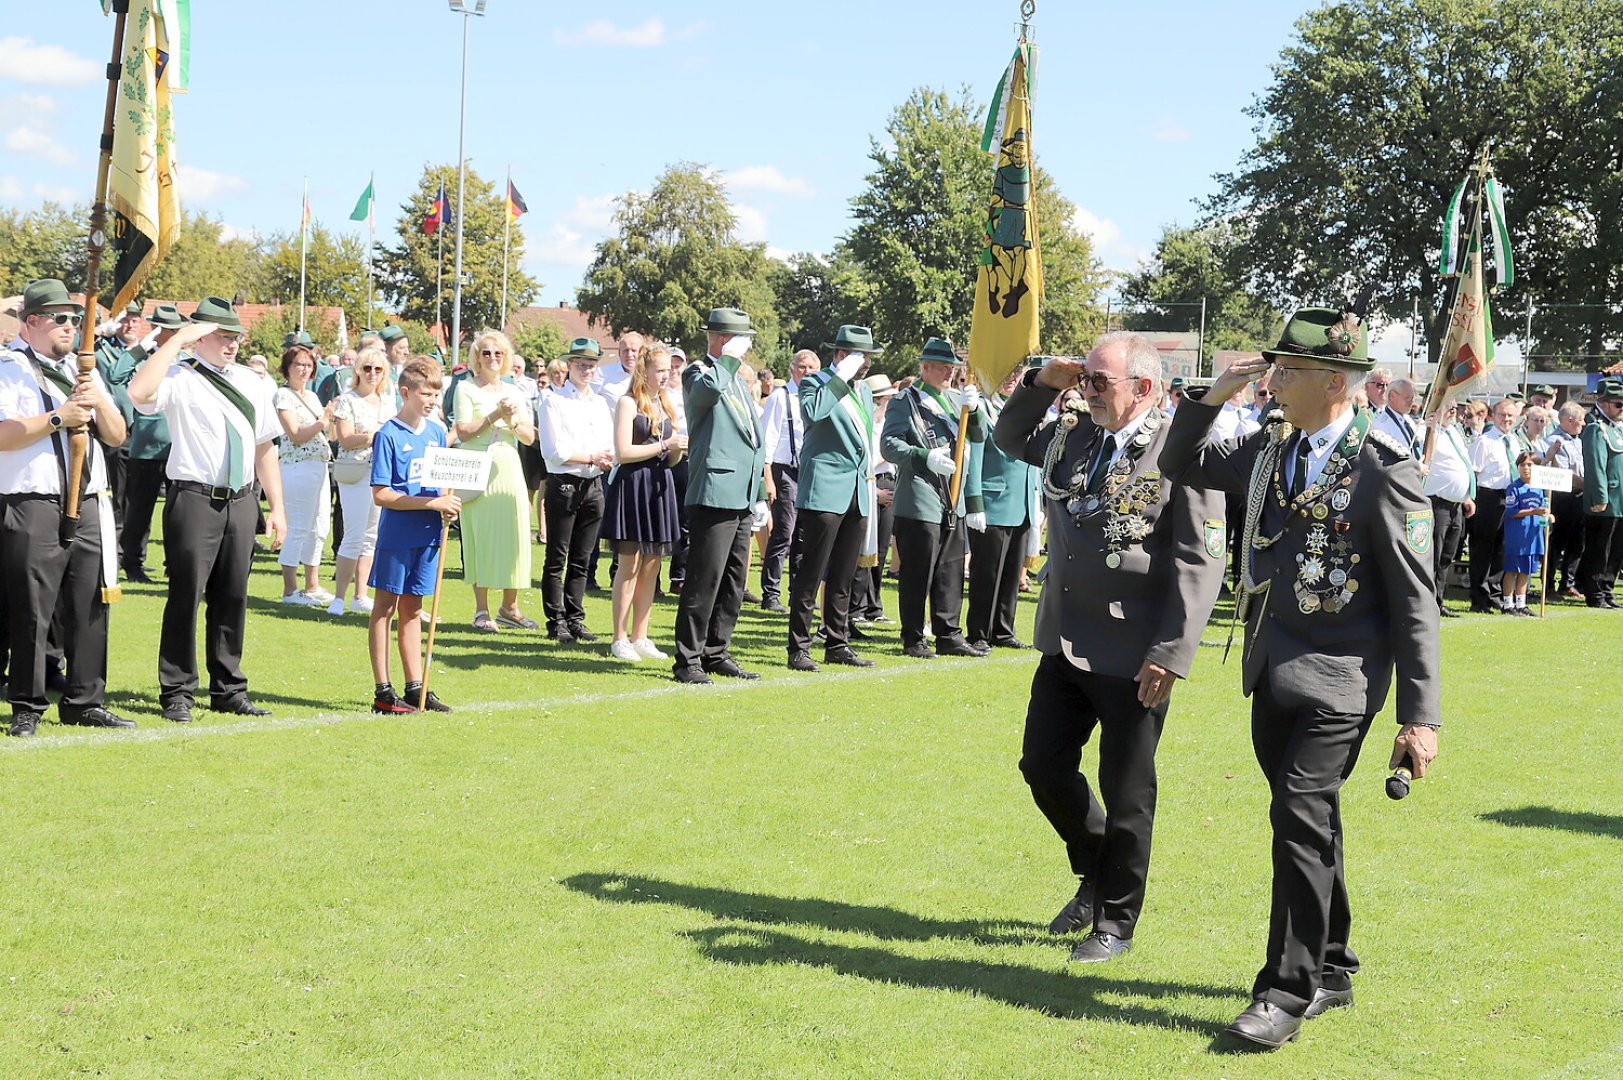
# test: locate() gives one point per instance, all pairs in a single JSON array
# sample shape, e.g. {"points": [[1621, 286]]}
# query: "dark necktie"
{"points": [[1107, 449], [1299, 476]]}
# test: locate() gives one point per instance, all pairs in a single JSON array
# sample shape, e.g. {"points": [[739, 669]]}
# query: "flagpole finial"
{"points": [[1028, 8]]}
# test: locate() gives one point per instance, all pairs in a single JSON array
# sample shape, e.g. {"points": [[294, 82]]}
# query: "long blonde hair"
{"points": [[642, 390], [501, 340]]}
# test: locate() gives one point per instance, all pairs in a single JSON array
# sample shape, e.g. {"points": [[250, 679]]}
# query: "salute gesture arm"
{"points": [[144, 384]]}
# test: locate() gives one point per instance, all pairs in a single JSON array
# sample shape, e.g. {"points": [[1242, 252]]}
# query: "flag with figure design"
{"points": [[141, 195]]}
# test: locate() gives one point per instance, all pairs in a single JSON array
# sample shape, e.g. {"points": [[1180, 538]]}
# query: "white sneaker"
{"points": [[299, 599], [624, 650], [336, 607], [648, 650], [320, 594], [361, 605]]}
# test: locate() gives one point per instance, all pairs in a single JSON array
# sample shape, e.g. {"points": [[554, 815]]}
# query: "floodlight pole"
{"points": [[461, 8]]}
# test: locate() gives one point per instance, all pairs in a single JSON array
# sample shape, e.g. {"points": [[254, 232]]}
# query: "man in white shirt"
{"points": [[1451, 486], [51, 563], [1393, 417], [577, 440], [1566, 451], [785, 432], [1493, 456], [1376, 386], [613, 379], [223, 426]]}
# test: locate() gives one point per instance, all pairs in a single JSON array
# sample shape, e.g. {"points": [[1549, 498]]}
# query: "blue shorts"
{"points": [[405, 571]]}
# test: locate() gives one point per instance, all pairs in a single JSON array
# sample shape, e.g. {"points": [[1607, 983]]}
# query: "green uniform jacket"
{"points": [[726, 449], [835, 453], [1603, 465], [913, 426], [148, 438], [1008, 485]]}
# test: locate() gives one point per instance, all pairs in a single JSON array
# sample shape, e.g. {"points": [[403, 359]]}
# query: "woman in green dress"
{"points": [[490, 414]]}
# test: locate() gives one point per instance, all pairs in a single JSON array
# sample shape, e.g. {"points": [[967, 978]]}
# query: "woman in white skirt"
{"points": [[306, 499], [357, 415]]}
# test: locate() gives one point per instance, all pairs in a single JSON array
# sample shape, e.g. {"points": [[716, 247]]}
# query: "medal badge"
{"points": [[1324, 568], [1124, 499]]}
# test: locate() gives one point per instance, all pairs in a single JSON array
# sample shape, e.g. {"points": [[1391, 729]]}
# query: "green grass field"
{"points": [[590, 871]]}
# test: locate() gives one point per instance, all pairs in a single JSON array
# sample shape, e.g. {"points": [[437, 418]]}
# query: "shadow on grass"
{"points": [[1545, 817]]}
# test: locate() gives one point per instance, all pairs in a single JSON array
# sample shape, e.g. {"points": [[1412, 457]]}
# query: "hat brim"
{"points": [[723, 330], [236, 327], [870, 350], [951, 361], [1344, 363]]}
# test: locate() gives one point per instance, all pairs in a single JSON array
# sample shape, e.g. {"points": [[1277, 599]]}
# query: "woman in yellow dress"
{"points": [[490, 414]]}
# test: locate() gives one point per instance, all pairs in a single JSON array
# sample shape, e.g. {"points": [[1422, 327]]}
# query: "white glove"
{"points": [[760, 514], [970, 397], [847, 369], [939, 461], [149, 344], [737, 345], [976, 521]]}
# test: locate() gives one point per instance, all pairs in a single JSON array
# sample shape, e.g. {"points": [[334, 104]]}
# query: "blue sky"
{"points": [[1138, 105]]}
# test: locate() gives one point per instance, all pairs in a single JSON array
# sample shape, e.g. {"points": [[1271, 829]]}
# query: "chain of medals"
{"points": [[1125, 500], [1611, 432]]}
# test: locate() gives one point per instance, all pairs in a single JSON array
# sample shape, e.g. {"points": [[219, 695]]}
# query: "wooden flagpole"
{"points": [[434, 615]]}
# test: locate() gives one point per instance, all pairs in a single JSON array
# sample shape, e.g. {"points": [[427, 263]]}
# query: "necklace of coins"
{"points": [[1126, 501], [1324, 566]]}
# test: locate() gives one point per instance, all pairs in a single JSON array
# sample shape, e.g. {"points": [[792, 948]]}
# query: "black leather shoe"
{"points": [[729, 668], [137, 574], [846, 656], [1610, 601], [1010, 643], [919, 651], [1265, 1024], [1447, 613], [1482, 607], [579, 632], [23, 724], [95, 716], [1325, 999], [1077, 914], [178, 712], [561, 635], [750, 597], [802, 661], [957, 647], [691, 675], [774, 605], [1099, 946], [237, 706], [856, 633]]}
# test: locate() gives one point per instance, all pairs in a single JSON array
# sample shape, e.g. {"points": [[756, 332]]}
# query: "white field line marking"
{"points": [[170, 731]]}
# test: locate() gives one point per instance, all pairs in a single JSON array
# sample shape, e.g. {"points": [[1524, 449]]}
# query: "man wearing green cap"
{"points": [[47, 568], [576, 434], [1603, 497], [1336, 591], [921, 428], [118, 350], [148, 447], [726, 499], [1010, 494], [223, 424], [835, 496]]}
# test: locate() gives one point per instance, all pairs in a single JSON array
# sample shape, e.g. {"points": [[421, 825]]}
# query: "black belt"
{"points": [[30, 496], [215, 493]]}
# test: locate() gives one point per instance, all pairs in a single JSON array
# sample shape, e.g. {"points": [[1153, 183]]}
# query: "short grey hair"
{"points": [[1572, 409], [1402, 386], [1354, 380], [1143, 358], [1382, 371]]}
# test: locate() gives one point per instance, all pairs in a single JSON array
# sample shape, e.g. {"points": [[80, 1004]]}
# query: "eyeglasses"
{"points": [[371, 369], [228, 338], [491, 352], [1265, 393], [1293, 368], [1099, 380], [62, 318], [1379, 385]]}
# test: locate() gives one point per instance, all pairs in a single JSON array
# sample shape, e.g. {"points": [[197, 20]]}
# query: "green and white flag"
{"points": [[997, 114], [363, 208], [1498, 233], [177, 43], [1448, 264]]}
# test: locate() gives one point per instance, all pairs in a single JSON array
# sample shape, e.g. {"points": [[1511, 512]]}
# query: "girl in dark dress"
{"points": [[640, 516]]}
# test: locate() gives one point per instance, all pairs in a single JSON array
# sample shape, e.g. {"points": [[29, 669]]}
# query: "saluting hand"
{"points": [[1060, 373], [1154, 684], [1237, 376]]}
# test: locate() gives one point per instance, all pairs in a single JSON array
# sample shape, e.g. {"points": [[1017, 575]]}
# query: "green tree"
{"points": [[266, 334], [543, 339], [815, 296], [673, 257], [335, 273], [409, 269], [203, 262], [48, 242], [1377, 110], [1192, 264]]}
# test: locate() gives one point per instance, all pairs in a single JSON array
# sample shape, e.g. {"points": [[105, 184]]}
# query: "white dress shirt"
{"points": [[612, 381], [1398, 426], [1493, 460], [1449, 475], [1233, 422], [1321, 444], [35, 469], [782, 424], [198, 415], [575, 422]]}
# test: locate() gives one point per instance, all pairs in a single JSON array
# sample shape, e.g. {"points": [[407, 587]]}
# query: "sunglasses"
{"points": [[63, 318], [491, 352], [1099, 380], [1379, 385], [371, 368]]}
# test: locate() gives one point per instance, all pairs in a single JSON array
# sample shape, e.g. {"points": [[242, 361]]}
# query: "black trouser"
{"points": [[574, 511], [995, 558], [1447, 528], [1306, 754], [143, 483], [1603, 552], [209, 550], [830, 545], [781, 543], [932, 567], [1107, 838], [42, 577], [1566, 541], [679, 550], [867, 595], [117, 462], [1487, 534], [713, 591]]}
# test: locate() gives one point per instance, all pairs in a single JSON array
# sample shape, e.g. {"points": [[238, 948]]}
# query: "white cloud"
{"points": [[603, 32], [593, 213], [1108, 245], [563, 246], [767, 178], [205, 185], [229, 233], [751, 227], [34, 142], [44, 65], [1168, 130], [781, 254], [13, 190]]}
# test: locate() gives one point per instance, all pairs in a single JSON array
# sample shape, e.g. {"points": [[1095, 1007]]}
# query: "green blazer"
{"points": [[836, 451], [1008, 485], [1603, 465], [726, 447], [913, 426]]}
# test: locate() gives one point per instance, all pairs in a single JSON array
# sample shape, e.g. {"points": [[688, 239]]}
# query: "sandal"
{"points": [[515, 620], [484, 624]]}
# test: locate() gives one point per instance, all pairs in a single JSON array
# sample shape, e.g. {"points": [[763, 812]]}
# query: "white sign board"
{"points": [[463, 470], [1551, 479]]}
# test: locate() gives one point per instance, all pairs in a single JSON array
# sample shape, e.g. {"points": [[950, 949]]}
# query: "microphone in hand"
{"points": [[1397, 785]]}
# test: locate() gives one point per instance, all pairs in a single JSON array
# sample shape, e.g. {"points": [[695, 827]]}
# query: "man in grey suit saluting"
{"points": [[1336, 581], [726, 499], [1134, 565]]}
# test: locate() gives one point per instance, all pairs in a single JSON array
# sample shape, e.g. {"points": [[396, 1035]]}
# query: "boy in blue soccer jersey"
{"points": [[408, 543]]}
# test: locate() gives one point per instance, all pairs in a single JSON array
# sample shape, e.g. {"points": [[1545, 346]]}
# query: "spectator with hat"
{"points": [[577, 440], [223, 422], [1603, 496]]}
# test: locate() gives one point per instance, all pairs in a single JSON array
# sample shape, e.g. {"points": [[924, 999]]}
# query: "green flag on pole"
{"points": [[363, 208]]}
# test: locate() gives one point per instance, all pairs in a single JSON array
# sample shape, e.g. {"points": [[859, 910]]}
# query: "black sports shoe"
{"points": [[580, 633], [391, 703], [432, 703]]}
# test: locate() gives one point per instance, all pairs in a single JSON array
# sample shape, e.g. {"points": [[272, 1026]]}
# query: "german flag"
{"points": [[515, 202], [439, 213]]}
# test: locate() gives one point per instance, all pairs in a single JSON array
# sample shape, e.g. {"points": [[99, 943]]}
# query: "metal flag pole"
{"points": [[371, 240], [461, 8], [304, 246], [439, 282], [507, 234]]}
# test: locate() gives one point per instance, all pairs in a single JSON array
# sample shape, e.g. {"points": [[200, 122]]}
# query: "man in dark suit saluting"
{"points": [[1336, 590], [1134, 565]]}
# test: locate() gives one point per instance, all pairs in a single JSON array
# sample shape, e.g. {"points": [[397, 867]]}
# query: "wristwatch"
{"points": [[56, 421]]}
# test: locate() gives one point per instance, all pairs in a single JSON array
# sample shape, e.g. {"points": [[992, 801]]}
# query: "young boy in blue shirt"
{"points": [[408, 543]]}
